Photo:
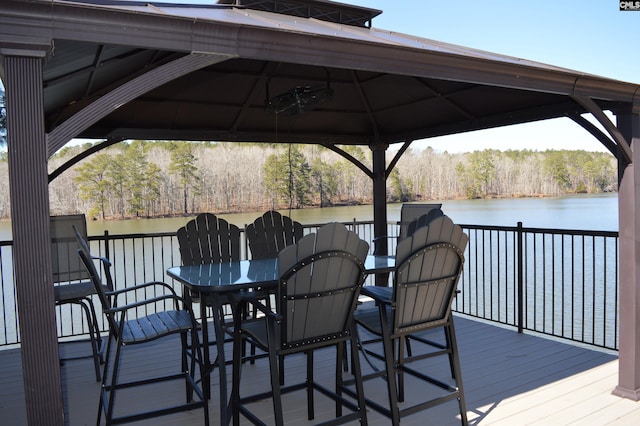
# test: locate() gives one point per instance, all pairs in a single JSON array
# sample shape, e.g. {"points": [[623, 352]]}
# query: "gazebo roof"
{"points": [[132, 70], [385, 86]]}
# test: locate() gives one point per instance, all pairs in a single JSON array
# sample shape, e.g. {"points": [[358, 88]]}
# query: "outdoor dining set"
{"points": [[295, 294]]}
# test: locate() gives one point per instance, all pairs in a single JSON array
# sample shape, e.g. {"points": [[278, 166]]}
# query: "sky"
{"points": [[590, 36]]}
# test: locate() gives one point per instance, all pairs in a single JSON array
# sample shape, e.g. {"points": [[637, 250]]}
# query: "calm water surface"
{"points": [[576, 212], [591, 212]]}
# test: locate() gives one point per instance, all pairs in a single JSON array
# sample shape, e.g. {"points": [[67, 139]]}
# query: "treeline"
{"points": [[146, 179]]}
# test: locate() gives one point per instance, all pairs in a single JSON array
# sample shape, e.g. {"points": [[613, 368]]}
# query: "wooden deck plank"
{"points": [[508, 378]]}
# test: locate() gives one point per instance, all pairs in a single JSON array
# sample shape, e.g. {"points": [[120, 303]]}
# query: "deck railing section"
{"points": [[562, 283]]}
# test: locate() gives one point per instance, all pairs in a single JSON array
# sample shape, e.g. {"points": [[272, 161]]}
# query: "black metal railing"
{"points": [[561, 283]]}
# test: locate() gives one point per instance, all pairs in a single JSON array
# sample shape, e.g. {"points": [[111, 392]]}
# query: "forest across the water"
{"points": [[160, 178]]}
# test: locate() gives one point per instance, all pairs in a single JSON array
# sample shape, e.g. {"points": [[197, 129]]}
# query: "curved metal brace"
{"points": [[128, 91], [84, 154], [396, 158], [618, 139], [595, 132], [349, 158]]}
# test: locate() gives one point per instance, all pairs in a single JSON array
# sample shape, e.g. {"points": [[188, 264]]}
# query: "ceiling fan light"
{"points": [[298, 100]]}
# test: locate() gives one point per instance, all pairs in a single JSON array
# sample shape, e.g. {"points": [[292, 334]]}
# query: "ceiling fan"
{"points": [[298, 100]]}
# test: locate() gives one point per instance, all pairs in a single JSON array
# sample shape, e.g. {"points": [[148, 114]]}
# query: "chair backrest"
{"points": [[423, 220], [86, 258], [270, 233], [65, 263], [320, 280], [208, 239], [411, 212], [429, 264]]}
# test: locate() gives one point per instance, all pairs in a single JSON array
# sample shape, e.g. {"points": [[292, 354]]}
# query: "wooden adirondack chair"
{"points": [[209, 239]]}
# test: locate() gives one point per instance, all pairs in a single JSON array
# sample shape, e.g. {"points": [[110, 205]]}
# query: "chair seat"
{"points": [[155, 325], [382, 293], [73, 291], [368, 316], [258, 330]]}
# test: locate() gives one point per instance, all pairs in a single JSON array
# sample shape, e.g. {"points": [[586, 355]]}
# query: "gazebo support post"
{"points": [[629, 260], [380, 204], [28, 185]]}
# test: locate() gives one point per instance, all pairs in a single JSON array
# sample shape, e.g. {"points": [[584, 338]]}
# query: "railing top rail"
{"points": [[554, 231], [532, 230]]}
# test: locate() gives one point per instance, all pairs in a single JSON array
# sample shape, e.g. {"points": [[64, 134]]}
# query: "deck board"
{"points": [[509, 378]]}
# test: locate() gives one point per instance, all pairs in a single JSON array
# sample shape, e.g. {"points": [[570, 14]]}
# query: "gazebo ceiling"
{"points": [[226, 101], [386, 87]]}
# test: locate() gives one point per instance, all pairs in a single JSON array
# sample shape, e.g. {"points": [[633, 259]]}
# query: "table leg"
{"points": [[218, 324], [206, 375]]}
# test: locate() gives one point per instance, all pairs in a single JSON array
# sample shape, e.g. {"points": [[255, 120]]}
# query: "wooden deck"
{"points": [[508, 379]]}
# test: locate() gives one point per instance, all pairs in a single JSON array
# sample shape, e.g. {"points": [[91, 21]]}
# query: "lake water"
{"points": [[589, 212]]}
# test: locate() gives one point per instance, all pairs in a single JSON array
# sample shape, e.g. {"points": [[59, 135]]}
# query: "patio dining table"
{"points": [[218, 282]]}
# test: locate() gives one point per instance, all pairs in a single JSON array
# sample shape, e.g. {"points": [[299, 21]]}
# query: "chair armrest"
{"points": [[150, 301], [144, 285], [377, 240], [106, 262], [106, 267], [253, 300], [383, 237]]}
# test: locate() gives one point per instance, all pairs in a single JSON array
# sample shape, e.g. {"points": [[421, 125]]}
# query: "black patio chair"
{"points": [[320, 280], [433, 212], [429, 265], [267, 236], [128, 326], [208, 239], [270, 233]]}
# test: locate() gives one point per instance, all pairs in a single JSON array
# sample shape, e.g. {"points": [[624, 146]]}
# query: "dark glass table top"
{"points": [[246, 274]]}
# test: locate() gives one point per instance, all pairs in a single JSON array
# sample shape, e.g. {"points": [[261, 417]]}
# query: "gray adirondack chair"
{"points": [[412, 216], [412, 211], [320, 280], [72, 283], [429, 265]]}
